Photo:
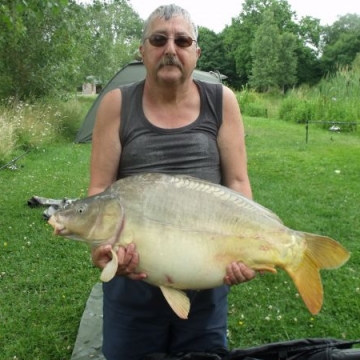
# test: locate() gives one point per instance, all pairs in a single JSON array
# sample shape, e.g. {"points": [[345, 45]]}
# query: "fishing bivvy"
{"points": [[302, 349]]}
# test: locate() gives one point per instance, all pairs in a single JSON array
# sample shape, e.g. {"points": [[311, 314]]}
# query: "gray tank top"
{"points": [[190, 150]]}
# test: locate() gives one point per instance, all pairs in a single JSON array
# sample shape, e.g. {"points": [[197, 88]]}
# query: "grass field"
{"points": [[315, 187]]}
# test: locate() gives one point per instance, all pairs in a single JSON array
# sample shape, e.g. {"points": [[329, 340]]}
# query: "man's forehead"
{"points": [[177, 24]]}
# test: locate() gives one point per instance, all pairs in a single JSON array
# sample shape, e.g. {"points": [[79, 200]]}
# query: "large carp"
{"points": [[187, 231]]}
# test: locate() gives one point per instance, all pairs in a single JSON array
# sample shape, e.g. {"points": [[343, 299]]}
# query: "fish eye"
{"points": [[81, 208]]}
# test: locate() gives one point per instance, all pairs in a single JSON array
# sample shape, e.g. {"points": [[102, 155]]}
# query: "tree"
{"points": [[265, 54], [214, 56], [287, 61], [308, 51], [308, 66], [341, 43], [26, 45], [50, 46], [240, 35], [114, 37]]}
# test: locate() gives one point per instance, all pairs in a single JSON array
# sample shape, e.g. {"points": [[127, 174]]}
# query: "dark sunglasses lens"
{"points": [[183, 41], [161, 40], [158, 40]]}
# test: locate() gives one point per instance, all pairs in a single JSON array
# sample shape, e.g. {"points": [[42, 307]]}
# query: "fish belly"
{"points": [[187, 259]]}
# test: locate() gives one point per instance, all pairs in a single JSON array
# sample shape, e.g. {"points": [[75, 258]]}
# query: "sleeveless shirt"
{"points": [[190, 150]]}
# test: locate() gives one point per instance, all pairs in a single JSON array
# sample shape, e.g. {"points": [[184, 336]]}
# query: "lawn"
{"points": [[315, 188], [45, 280]]}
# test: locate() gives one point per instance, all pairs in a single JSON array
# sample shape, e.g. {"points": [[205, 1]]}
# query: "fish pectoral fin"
{"points": [[263, 267], [177, 300], [110, 269]]}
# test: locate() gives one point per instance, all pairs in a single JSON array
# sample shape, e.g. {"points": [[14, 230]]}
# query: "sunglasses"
{"points": [[161, 40]]}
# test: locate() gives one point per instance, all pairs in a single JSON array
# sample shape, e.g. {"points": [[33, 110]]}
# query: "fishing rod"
{"points": [[14, 160]]}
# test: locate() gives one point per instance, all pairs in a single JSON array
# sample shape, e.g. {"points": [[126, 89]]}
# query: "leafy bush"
{"points": [[252, 103]]}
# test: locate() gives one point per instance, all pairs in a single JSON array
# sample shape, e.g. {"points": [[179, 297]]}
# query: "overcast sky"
{"points": [[218, 14]]}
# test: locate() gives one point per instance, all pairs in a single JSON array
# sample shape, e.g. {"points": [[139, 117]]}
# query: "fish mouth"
{"points": [[61, 230], [58, 228]]}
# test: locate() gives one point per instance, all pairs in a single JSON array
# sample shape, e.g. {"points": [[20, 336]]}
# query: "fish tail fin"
{"points": [[321, 253], [326, 252]]}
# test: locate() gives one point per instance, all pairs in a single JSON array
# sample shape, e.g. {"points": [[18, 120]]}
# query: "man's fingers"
{"points": [[101, 255], [128, 260], [237, 273], [243, 272], [137, 276], [128, 253], [133, 262]]}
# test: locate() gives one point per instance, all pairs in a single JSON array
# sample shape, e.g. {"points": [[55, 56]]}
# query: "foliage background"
{"points": [[51, 47]]}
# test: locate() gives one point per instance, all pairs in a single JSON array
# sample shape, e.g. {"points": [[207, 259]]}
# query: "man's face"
{"points": [[170, 62]]}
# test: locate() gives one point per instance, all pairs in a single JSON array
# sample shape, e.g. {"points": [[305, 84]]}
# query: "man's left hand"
{"points": [[237, 273]]}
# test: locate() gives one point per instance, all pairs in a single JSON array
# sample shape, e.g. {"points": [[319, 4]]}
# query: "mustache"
{"points": [[170, 60]]}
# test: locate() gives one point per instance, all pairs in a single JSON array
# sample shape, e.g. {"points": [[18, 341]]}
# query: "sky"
{"points": [[216, 17]]}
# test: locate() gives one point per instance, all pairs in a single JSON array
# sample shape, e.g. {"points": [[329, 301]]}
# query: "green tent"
{"points": [[132, 72]]}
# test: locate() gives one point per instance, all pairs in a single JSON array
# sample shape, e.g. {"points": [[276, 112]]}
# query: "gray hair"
{"points": [[167, 12]]}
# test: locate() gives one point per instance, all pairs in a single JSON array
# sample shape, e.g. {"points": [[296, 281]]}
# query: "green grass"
{"points": [[45, 280], [313, 187]]}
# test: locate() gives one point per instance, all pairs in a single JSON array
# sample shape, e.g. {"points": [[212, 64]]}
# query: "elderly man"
{"points": [[167, 123]]}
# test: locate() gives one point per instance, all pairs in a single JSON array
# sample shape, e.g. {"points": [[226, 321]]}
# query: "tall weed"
{"points": [[26, 125], [335, 98], [8, 137], [258, 105]]}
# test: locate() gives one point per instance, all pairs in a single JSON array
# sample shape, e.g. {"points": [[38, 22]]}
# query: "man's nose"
{"points": [[170, 47]]}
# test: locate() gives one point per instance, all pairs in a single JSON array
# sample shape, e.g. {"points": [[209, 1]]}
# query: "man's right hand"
{"points": [[128, 260]]}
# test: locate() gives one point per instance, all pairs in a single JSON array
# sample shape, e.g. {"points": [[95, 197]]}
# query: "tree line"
{"points": [[49, 47]]}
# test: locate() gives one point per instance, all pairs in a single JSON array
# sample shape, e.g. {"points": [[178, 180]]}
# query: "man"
{"points": [[172, 124]]}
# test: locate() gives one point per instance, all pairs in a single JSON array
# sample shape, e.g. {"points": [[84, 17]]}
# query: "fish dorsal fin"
{"points": [[177, 300], [110, 269]]}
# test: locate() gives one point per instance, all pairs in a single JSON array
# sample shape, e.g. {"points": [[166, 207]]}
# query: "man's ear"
{"points": [[141, 51]]}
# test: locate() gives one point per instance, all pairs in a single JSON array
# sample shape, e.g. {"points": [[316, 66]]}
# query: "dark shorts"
{"points": [[138, 321]]}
